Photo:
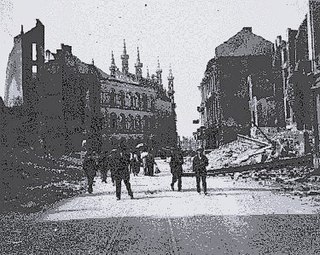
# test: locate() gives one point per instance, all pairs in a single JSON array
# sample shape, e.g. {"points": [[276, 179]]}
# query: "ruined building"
{"points": [[22, 85], [292, 79], [224, 108], [62, 101]]}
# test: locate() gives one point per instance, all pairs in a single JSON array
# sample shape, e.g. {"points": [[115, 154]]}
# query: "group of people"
{"points": [[120, 164], [199, 164]]}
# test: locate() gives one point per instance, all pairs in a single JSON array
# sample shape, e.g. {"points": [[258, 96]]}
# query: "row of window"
{"points": [[122, 123], [128, 100]]}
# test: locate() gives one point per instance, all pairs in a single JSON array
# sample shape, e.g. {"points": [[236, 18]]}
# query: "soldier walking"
{"points": [[120, 164], [104, 167], [150, 164], [135, 164], [90, 169], [176, 163], [199, 164]]}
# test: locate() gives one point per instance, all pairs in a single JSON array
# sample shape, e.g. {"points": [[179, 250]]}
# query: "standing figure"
{"points": [[112, 165], [135, 164], [144, 158], [120, 164], [199, 167], [90, 168], [176, 163], [104, 167], [150, 164]]}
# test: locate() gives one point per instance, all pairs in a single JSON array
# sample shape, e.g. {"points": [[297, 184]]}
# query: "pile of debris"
{"points": [[296, 180], [243, 151]]}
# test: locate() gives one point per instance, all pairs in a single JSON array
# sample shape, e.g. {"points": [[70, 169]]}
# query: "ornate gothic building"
{"points": [[137, 109]]}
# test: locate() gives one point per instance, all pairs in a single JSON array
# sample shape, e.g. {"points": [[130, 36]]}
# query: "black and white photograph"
{"points": [[174, 127]]}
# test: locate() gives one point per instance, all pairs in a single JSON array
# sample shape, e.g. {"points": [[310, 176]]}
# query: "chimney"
{"points": [[278, 41], [248, 29], [66, 48]]}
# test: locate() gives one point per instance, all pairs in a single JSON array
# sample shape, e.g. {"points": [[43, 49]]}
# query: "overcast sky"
{"points": [[183, 33]]}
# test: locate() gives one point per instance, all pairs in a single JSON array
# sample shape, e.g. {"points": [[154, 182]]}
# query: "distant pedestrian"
{"points": [[104, 166], [135, 164], [176, 163], [112, 165], [90, 169], [121, 163], [199, 164], [144, 159], [150, 164]]}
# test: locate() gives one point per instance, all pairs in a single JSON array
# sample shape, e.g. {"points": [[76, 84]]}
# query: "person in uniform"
{"points": [[90, 169], [135, 164], [176, 163], [150, 164], [120, 162], [104, 167], [199, 164]]}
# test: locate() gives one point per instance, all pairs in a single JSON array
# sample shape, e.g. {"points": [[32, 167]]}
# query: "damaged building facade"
{"points": [[63, 101], [224, 110], [273, 94], [282, 94]]}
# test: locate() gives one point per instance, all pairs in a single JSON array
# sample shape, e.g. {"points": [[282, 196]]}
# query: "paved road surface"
{"points": [[235, 218]]}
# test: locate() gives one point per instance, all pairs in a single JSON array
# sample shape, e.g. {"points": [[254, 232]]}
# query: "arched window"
{"points": [[144, 102], [133, 101], [113, 122], [128, 100], [122, 99], [122, 122], [144, 123], [112, 98], [130, 122], [138, 123], [152, 104], [138, 104]]}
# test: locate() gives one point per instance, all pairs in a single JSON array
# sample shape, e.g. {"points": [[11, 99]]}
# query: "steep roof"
{"points": [[244, 43]]}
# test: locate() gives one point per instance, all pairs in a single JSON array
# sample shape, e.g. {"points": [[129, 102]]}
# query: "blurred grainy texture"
{"points": [[216, 144]]}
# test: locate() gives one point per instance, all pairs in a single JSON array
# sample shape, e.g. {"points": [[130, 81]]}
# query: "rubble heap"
{"points": [[238, 152]]}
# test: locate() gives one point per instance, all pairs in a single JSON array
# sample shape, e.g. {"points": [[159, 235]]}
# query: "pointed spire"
{"points": [[112, 59], [138, 66], [125, 57], [170, 86], [113, 66], [158, 67], [148, 74], [159, 72], [170, 77], [138, 55], [124, 47]]}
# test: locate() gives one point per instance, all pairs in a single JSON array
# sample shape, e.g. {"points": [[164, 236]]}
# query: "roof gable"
{"points": [[244, 43]]}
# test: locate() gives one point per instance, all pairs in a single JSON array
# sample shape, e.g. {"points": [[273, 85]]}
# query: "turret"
{"points": [[113, 66], [138, 66], [148, 74], [159, 74], [125, 58], [170, 86]]}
